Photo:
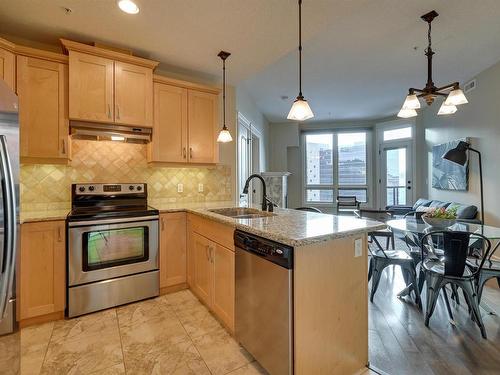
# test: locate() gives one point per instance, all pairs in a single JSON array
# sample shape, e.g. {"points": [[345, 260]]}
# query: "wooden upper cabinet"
{"points": [[8, 67], [172, 249], [91, 86], [41, 280], [203, 115], [133, 94], [170, 126], [43, 116]]}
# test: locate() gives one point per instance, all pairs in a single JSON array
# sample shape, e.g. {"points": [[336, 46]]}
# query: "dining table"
{"points": [[418, 228]]}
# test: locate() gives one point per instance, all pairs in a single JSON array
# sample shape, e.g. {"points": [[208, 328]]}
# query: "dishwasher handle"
{"points": [[274, 252]]}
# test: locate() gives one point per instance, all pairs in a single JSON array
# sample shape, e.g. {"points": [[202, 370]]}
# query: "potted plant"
{"points": [[440, 217]]}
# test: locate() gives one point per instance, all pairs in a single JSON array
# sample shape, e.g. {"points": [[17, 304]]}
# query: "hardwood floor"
{"points": [[401, 344]]}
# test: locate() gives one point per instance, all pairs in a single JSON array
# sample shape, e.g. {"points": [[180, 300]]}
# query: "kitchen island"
{"points": [[330, 311]]}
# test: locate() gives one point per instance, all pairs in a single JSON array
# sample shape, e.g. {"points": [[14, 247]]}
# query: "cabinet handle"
{"points": [[207, 252], [211, 254], [63, 147], [59, 234], [162, 224], [117, 111], [184, 152], [190, 152], [109, 110]]}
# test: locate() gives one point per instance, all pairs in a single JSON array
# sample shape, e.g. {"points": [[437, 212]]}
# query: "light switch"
{"points": [[180, 188], [358, 247], [200, 188]]}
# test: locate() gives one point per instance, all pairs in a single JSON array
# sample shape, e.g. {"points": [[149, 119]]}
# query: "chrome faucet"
{"points": [[267, 205]]}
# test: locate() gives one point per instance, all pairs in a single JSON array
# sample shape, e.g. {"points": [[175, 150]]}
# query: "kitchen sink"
{"points": [[241, 212]]}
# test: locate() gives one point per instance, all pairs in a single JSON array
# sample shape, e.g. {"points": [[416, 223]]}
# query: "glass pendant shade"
{"points": [[456, 97], [224, 136], [411, 102], [300, 110], [447, 109], [407, 113]]}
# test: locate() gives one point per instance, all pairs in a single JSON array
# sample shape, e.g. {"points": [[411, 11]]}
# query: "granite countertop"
{"points": [[298, 228], [290, 227]]}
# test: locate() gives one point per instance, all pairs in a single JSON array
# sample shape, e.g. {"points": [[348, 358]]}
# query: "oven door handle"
{"points": [[112, 221]]}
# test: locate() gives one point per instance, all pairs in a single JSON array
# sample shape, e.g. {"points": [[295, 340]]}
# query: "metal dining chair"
{"points": [[381, 258], [310, 209], [490, 270], [382, 216], [347, 203], [450, 267]]}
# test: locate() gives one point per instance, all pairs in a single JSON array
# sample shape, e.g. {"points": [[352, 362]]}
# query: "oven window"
{"points": [[115, 247]]}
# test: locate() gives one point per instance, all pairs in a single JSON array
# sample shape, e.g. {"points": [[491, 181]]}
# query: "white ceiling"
{"points": [[358, 61]]}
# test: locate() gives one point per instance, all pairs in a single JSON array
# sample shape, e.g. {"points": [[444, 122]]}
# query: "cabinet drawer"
{"points": [[217, 232]]}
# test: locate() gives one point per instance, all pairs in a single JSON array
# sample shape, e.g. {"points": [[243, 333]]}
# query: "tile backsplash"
{"points": [[48, 186]]}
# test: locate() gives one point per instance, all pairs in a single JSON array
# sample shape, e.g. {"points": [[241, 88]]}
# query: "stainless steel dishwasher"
{"points": [[264, 301]]}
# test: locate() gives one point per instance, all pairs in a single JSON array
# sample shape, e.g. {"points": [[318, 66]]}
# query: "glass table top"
{"points": [[418, 226]]}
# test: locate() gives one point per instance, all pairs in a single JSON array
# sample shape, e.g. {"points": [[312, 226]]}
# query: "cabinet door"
{"points": [[202, 268], [42, 269], [169, 142], [90, 88], [203, 114], [7, 67], [172, 249], [133, 94], [223, 293], [43, 118]]}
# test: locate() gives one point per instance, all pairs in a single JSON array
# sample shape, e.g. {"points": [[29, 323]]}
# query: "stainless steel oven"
{"points": [[105, 249], [112, 247]]}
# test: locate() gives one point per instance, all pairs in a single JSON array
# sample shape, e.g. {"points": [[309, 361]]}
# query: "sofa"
{"points": [[465, 213]]}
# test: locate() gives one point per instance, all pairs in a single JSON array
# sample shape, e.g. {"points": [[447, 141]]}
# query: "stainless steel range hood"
{"points": [[109, 132]]}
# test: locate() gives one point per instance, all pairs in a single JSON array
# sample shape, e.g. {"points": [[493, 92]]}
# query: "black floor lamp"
{"points": [[458, 155]]}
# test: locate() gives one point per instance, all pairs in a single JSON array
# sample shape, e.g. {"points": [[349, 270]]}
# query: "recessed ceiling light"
{"points": [[128, 6]]}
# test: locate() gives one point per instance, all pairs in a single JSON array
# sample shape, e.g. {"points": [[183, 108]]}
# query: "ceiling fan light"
{"points": [[456, 97], [407, 113], [411, 102], [300, 110], [224, 136], [447, 109]]}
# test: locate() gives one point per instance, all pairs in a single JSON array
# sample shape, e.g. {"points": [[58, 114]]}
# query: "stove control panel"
{"points": [[109, 189]]}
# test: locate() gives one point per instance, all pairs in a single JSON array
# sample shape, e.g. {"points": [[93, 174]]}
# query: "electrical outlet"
{"points": [[200, 188], [180, 188], [358, 247]]}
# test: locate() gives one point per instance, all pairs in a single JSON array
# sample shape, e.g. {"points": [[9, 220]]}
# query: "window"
{"points": [[395, 134], [335, 164]]}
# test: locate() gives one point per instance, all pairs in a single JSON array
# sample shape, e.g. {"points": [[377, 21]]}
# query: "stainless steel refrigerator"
{"points": [[9, 207]]}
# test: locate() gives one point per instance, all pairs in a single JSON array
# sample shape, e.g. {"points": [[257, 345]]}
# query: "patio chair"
{"points": [[347, 203]]}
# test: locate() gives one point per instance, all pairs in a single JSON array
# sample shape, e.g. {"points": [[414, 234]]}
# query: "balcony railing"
{"points": [[396, 195]]}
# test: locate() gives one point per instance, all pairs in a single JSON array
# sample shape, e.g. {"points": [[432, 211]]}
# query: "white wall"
{"points": [[246, 106], [480, 121]]}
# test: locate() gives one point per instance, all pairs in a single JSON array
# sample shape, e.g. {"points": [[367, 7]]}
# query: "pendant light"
{"points": [[430, 91], [300, 110], [224, 135]]}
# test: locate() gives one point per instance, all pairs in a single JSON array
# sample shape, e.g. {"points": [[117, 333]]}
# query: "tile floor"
{"points": [[171, 334]]}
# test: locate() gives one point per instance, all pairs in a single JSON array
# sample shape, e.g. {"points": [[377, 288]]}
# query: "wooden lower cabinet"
{"points": [[223, 285], [211, 270], [203, 269], [172, 250], [42, 280]]}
